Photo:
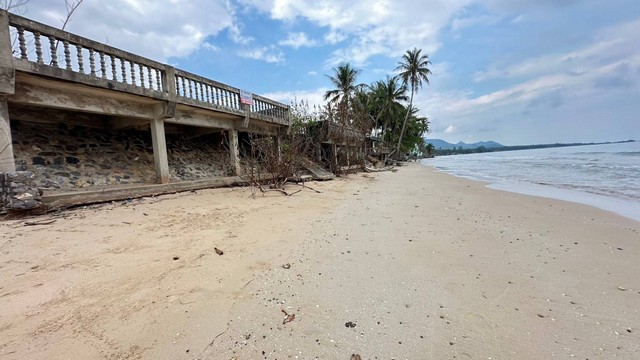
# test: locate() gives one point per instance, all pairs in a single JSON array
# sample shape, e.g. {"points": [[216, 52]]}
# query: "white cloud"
{"points": [[151, 28], [298, 39], [464, 22], [450, 129], [210, 46], [269, 54], [549, 83], [369, 28], [313, 96], [333, 37]]}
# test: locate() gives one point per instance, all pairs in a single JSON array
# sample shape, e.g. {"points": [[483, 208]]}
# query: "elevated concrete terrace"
{"points": [[42, 67]]}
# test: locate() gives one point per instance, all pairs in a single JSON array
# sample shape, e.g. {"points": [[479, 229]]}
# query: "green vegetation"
{"points": [[383, 110]]}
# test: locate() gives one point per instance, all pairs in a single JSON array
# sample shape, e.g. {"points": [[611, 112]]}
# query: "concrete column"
{"points": [[234, 151], [7, 162], [160, 151], [277, 146]]}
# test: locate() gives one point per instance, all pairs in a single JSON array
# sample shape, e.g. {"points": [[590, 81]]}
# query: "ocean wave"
{"points": [[628, 153]]}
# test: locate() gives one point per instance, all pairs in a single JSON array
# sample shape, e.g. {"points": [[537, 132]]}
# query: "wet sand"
{"points": [[408, 265]]}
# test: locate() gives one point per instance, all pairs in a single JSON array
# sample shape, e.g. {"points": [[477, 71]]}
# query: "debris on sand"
{"points": [[286, 266], [288, 317], [350, 324], [355, 357], [218, 251]]}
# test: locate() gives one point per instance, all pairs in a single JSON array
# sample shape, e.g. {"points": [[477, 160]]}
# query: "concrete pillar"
{"points": [[160, 151], [234, 151], [277, 146], [7, 162]]}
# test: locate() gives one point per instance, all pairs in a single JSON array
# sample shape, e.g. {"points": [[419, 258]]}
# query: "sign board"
{"points": [[246, 97]]}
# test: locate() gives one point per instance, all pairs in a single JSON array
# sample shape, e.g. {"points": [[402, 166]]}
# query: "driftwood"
{"points": [[386, 168], [35, 223]]}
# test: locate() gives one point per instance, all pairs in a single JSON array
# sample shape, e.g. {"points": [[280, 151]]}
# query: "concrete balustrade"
{"points": [[42, 67]]}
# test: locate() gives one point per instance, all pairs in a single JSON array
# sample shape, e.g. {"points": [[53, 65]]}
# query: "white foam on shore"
{"points": [[622, 207], [619, 206]]}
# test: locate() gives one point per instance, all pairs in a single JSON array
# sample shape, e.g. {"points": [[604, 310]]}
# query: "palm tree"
{"points": [[413, 71], [387, 95], [344, 80]]}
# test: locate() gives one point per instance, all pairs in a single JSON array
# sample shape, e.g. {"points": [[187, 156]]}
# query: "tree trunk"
{"points": [[404, 125]]}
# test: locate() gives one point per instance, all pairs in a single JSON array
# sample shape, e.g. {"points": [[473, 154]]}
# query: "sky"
{"points": [[512, 71]]}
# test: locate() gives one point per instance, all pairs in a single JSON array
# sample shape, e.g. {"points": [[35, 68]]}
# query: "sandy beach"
{"points": [[414, 264]]}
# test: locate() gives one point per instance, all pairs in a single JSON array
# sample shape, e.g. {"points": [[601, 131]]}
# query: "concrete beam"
{"points": [[234, 151], [160, 151], [124, 123], [199, 119], [80, 100], [7, 162]]}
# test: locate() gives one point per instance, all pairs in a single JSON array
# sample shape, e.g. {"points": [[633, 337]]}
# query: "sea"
{"points": [[605, 176]]}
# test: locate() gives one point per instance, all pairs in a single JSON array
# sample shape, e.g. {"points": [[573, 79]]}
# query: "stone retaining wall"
{"points": [[18, 192], [63, 157]]}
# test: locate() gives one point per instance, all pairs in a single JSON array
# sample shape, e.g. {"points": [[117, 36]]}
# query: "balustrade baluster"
{"points": [[23, 43], [158, 82], [178, 86], [114, 72], [195, 89], [132, 65], [80, 59], [67, 54], [103, 66], [92, 62], [54, 53], [140, 67], [184, 86], [36, 36], [208, 93], [123, 69], [202, 94], [149, 77]]}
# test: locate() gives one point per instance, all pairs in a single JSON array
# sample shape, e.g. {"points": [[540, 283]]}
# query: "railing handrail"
{"points": [[163, 90], [31, 25]]}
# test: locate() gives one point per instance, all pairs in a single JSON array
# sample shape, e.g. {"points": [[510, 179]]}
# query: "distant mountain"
{"points": [[441, 144]]}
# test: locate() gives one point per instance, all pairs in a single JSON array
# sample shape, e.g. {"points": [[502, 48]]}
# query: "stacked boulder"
{"points": [[18, 193]]}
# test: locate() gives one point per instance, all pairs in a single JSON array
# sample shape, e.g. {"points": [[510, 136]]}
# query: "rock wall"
{"points": [[65, 157], [18, 192]]}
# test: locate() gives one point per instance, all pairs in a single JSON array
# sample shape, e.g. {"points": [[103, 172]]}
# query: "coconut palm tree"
{"points": [[387, 95], [414, 70], [344, 81]]}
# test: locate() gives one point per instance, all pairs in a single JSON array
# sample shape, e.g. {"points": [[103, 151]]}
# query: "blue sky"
{"points": [[513, 71]]}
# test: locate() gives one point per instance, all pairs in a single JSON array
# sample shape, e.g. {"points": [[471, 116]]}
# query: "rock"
{"points": [[38, 160], [218, 251], [350, 324], [72, 160]]}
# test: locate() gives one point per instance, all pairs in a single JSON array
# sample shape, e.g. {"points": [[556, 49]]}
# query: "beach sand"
{"points": [[414, 264]]}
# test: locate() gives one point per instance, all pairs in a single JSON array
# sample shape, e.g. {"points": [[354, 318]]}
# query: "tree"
{"points": [[414, 70], [387, 95], [344, 81], [16, 6]]}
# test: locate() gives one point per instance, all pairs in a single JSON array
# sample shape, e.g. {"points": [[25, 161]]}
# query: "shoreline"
{"points": [[622, 207], [420, 264]]}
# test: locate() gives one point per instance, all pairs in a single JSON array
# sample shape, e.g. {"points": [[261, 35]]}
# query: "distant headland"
{"points": [[442, 147]]}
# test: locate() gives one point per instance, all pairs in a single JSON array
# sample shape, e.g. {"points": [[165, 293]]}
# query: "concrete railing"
{"points": [[44, 50]]}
